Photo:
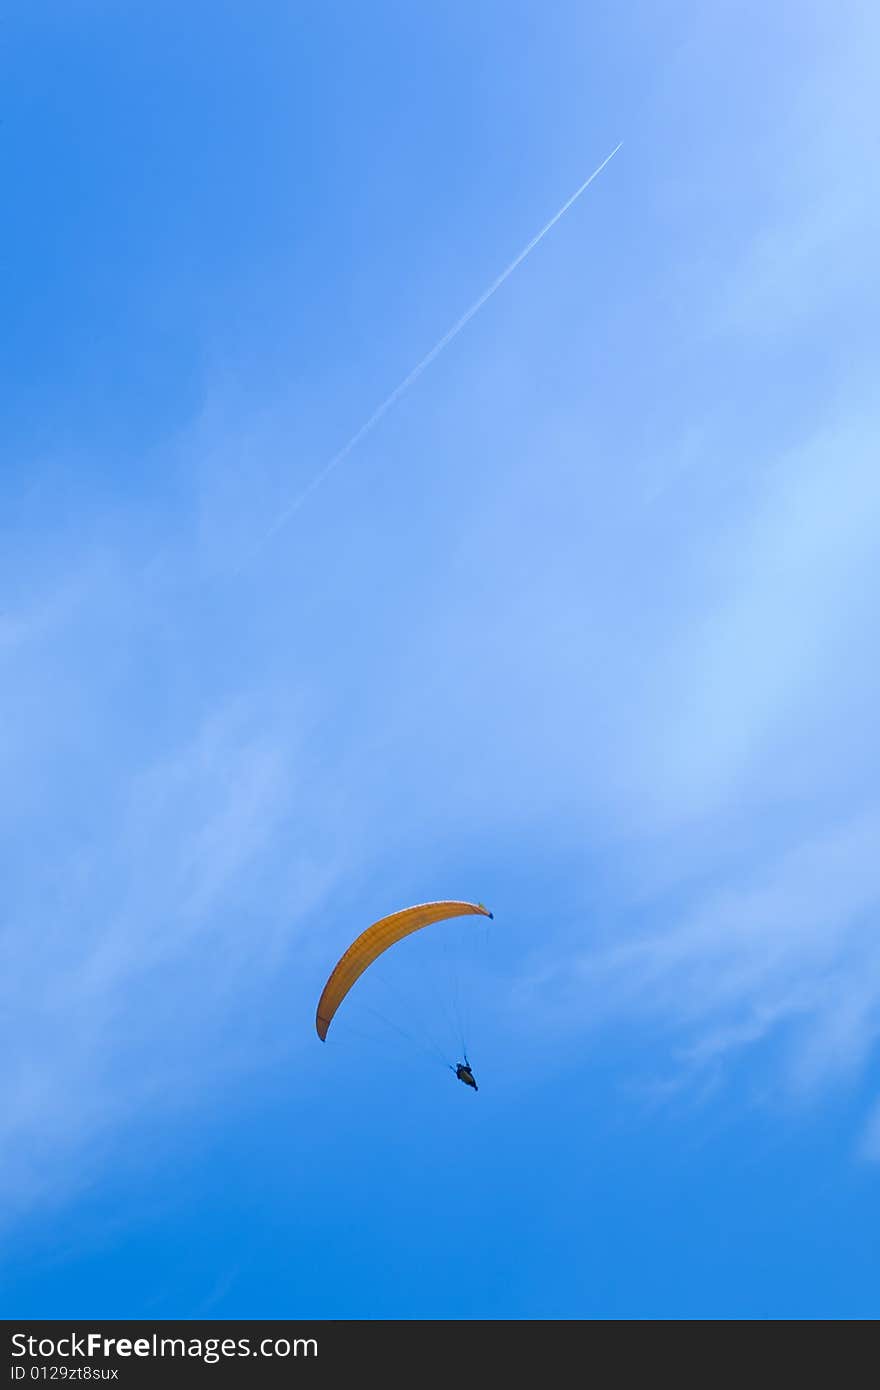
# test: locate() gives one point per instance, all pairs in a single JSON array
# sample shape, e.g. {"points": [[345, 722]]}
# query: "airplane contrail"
{"points": [[381, 410]]}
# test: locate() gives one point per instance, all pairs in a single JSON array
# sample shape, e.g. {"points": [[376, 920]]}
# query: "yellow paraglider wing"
{"points": [[376, 939]]}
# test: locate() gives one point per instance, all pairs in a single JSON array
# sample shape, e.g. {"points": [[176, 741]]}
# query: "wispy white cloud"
{"points": [[742, 694], [790, 945], [739, 769], [131, 925], [810, 255]]}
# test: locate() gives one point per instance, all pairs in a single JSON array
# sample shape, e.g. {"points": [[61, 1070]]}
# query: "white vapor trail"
{"points": [[381, 410]]}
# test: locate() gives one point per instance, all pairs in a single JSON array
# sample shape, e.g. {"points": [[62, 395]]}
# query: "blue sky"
{"points": [[586, 628]]}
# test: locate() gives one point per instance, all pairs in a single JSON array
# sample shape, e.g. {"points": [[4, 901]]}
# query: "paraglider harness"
{"points": [[464, 1073]]}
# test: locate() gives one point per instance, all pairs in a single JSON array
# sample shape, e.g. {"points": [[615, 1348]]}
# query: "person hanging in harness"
{"points": [[464, 1073]]}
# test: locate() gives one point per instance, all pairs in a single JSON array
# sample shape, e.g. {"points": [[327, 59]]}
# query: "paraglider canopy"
{"points": [[377, 939]]}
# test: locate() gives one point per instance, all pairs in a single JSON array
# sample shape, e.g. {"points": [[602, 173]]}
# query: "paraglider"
{"points": [[372, 943]]}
